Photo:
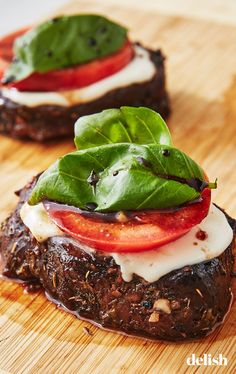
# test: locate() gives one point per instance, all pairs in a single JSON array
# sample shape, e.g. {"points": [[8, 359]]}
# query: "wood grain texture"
{"points": [[36, 337]]}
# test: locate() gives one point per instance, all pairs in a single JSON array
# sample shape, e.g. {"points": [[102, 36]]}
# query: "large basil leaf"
{"points": [[124, 125], [62, 42], [123, 176]]}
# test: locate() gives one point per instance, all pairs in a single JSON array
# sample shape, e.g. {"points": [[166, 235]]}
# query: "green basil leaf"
{"points": [[122, 177], [62, 42], [124, 125]]}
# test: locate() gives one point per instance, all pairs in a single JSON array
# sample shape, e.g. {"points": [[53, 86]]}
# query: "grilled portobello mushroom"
{"points": [[188, 303], [45, 122]]}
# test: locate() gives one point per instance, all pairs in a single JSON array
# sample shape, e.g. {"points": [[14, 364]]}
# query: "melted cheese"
{"points": [[150, 265], [139, 70], [187, 250], [37, 220]]}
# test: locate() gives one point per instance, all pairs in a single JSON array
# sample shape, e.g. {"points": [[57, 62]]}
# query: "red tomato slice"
{"points": [[144, 231], [70, 78]]}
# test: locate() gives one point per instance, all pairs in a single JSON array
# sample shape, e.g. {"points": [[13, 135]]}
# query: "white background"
{"points": [[18, 13], [15, 14]]}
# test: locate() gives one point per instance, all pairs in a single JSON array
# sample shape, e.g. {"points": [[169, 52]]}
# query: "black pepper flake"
{"points": [[165, 152], [144, 162], [102, 30], [49, 53], [92, 42]]}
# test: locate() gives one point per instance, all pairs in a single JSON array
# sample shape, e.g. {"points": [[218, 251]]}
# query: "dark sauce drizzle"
{"points": [[195, 183], [93, 179]]}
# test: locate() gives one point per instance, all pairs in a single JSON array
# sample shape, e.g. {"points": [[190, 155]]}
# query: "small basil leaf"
{"points": [[64, 41], [128, 177], [124, 125]]}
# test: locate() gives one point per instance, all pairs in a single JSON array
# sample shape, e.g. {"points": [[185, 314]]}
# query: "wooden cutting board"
{"points": [[36, 337]]}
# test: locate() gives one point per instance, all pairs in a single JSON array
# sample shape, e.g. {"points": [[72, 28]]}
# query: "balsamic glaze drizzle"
{"points": [[195, 183]]}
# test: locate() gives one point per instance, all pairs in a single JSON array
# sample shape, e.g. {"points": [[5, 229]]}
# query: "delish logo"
{"points": [[207, 360]]}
